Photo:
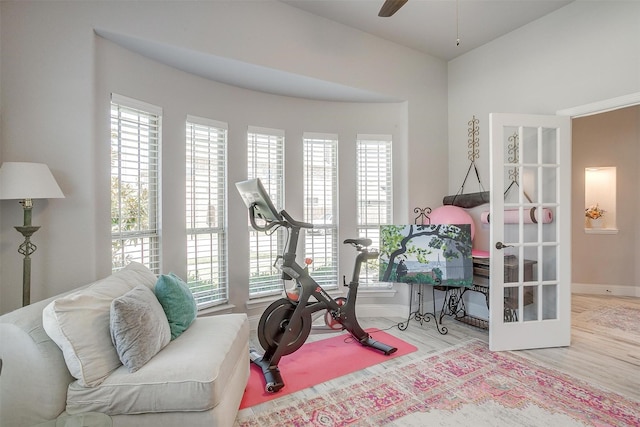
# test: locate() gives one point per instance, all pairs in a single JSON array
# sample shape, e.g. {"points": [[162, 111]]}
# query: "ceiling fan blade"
{"points": [[390, 7]]}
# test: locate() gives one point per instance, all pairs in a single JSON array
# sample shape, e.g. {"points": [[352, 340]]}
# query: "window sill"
{"points": [[363, 292], [262, 301], [601, 230], [216, 309], [377, 292]]}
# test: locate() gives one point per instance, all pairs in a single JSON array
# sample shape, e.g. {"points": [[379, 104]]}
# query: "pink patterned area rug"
{"points": [[618, 319], [467, 382]]}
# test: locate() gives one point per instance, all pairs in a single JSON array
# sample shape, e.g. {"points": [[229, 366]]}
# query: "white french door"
{"points": [[530, 232]]}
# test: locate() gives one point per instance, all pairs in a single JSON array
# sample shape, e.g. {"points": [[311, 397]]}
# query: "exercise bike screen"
{"points": [[254, 194]]}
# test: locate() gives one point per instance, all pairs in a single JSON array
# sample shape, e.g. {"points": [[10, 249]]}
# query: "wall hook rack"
{"points": [[423, 213]]}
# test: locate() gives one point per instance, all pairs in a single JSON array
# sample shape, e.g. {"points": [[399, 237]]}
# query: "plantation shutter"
{"points": [[206, 188], [266, 161], [135, 183], [374, 193], [320, 164]]}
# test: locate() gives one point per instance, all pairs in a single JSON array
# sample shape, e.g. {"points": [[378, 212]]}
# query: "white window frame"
{"points": [[374, 191], [320, 191], [206, 210], [265, 159], [135, 170]]}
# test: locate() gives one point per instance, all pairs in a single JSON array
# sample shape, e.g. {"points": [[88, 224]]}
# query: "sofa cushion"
{"points": [[190, 374], [139, 327], [79, 323], [177, 301]]}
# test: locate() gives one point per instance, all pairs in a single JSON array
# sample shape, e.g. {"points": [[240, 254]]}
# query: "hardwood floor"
{"points": [[606, 356], [599, 353]]}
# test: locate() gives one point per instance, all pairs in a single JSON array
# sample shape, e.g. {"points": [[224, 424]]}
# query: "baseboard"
{"points": [[604, 289]]}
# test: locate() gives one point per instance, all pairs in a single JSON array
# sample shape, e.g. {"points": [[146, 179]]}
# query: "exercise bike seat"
{"points": [[358, 242]]}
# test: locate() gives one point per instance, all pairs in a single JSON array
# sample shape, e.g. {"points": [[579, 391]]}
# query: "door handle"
{"points": [[501, 245]]}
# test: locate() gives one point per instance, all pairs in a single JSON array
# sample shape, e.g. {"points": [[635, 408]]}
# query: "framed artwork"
{"points": [[435, 254]]}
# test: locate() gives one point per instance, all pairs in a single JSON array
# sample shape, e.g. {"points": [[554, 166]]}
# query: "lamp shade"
{"points": [[22, 180]]}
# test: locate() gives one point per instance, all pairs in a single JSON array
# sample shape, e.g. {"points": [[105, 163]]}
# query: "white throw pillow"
{"points": [[139, 327], [79, 324]]}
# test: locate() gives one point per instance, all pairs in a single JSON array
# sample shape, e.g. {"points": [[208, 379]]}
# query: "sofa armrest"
{"points": [[34, 377]]}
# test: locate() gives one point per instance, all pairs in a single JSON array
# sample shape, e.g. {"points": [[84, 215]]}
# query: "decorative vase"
{"points": [[596, 222]]}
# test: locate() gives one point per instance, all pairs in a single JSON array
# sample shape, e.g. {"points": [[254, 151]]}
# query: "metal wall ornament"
{"points": [[470, 200], [423, 214], [474, 139], [512, 151]]}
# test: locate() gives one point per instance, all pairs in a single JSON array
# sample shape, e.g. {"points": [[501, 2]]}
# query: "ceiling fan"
{"points": [[390, 7]]}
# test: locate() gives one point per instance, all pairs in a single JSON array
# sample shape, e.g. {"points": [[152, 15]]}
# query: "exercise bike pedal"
{"points": [[275, 385]]}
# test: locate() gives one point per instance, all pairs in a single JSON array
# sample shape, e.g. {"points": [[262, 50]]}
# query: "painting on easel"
{"points": [[436, 254]]}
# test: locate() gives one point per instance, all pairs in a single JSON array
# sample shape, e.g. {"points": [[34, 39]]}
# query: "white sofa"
{"points": [[197, 379]]}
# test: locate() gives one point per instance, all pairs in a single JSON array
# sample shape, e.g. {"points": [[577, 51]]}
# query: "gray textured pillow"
{"points": [[139, 327]]}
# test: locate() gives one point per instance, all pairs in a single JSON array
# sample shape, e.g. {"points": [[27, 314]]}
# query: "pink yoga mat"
{"points": [[530, 216], [319, 361]]}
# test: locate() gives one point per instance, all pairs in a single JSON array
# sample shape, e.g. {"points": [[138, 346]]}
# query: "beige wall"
{"points": [[608, 260]]}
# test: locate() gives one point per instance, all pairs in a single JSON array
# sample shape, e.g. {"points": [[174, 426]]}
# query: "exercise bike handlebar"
{"points": [[268, 225], [287, 221], [293, 222]]}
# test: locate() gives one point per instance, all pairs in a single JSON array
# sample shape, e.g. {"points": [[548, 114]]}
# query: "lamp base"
{"points": [[27, 231], [27, 248]]}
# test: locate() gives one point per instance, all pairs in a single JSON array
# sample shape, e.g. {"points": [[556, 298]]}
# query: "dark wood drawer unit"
{"points": [[481, 282], [481, 268]]}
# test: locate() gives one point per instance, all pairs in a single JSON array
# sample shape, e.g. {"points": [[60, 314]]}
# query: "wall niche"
{"points": [[600, 196]]}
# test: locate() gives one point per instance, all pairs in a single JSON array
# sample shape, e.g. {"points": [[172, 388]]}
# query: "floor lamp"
{"points": [[25, 182]]}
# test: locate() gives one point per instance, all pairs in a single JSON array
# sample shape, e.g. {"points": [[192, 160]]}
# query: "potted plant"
{"points": [[595, 215]]}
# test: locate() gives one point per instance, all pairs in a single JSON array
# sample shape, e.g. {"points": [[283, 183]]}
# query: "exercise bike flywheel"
{"points": [[274, 322]]}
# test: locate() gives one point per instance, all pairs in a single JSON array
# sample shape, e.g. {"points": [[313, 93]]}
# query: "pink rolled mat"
{"points": [[477, 253], [530, 216]]}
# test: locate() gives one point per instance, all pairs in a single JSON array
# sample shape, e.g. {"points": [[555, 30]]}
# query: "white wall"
{"points": [[587, 51], [56, 75]]}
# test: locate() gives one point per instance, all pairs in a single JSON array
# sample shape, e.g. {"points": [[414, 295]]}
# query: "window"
{"points": [[266, 161], [374, 193], [320, 182], [135, 185], [206, 186]]}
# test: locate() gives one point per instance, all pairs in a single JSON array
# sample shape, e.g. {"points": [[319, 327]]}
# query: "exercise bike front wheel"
{"points": [[275, 321]]}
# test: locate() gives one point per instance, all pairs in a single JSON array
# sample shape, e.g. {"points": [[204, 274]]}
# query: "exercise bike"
{"points": [[286, 323]]}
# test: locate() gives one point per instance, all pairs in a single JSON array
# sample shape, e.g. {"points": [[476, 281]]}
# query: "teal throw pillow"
{"points": [[177, 301]]}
